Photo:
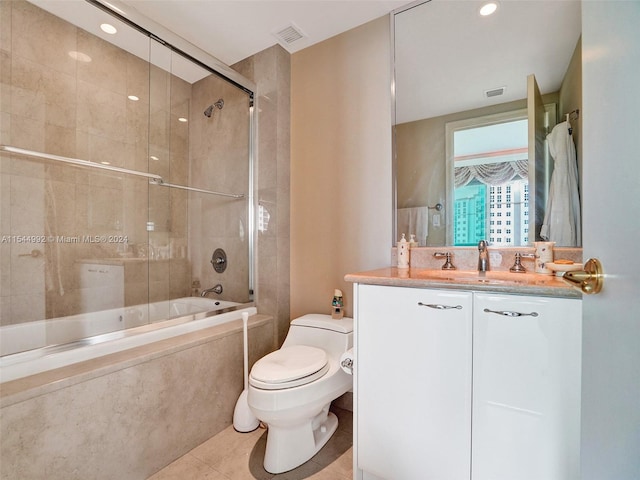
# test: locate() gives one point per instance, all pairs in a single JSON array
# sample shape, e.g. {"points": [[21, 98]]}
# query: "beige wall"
{"points": [[571, 99], [340, 164]]}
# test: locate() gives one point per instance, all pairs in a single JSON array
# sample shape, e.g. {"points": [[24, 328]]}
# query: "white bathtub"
{"points": [[34, 347]]}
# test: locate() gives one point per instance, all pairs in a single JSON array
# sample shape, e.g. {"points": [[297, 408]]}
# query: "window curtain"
{"points": [[491, 173]]}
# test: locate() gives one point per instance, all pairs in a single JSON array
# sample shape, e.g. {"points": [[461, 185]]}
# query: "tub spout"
{"points": [[217, 290]]}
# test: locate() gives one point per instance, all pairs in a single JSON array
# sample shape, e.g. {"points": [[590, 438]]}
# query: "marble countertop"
{"points": [[492, 281]]}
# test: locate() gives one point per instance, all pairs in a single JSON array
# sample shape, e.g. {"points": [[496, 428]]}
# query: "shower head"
{"points": [[209, 111]]}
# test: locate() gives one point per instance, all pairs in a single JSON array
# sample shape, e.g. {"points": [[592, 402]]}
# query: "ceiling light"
{"points": [[133, 98], [153, 157], [182, 119], [108, 28], [79, 56], [488, 8]]}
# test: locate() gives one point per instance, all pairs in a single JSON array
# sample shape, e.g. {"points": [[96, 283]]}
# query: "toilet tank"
{"points": [[322, 331]]}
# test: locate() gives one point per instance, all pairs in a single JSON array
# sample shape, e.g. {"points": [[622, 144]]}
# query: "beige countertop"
{"points": [[492, 281]]}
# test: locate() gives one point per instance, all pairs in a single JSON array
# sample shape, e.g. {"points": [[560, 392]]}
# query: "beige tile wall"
{"points": [[129, 419], [271, 71], [53, 104], [219, 148]]}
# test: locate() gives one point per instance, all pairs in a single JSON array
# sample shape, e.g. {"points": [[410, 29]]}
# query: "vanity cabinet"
{"points": [[413, 383], [526, 387], [488, 389]]}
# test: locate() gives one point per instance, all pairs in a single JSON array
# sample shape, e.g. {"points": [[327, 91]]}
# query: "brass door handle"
{"points": [[589, 280]]}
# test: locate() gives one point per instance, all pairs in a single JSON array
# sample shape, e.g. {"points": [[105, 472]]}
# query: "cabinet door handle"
{"points": [[438, 306], [507, 313]]}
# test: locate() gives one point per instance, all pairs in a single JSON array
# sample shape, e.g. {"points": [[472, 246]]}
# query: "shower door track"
{"points": [[153, 178]]}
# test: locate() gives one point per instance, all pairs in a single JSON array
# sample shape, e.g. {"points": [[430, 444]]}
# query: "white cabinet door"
{"points": [[526, 388], [413, 383]]}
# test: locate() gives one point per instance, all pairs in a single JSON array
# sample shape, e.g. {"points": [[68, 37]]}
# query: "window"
{"points": [[481, 153]]}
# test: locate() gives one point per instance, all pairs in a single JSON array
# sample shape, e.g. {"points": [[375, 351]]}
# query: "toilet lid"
{"points": [[289, 367]]}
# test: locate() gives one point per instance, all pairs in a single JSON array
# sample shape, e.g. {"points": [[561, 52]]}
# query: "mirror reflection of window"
{"points": [[491, 184]]}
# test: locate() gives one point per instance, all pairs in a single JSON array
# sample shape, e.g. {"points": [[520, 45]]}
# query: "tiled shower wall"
{"points": [[219, 148], [51, 103], [271, 71]]}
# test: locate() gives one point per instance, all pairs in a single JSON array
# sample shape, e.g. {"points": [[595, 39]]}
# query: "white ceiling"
{"points": [[448, 55], [232, 30], [453, 54]]}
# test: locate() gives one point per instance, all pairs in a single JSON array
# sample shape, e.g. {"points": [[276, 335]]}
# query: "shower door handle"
{"points": [[33, 254]]}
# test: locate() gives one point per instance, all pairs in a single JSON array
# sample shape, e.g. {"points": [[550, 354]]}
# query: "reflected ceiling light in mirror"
{"points": [[488, 8], [108, 28], [79, 56]]}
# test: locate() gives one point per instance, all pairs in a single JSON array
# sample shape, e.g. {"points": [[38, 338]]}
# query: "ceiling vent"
{"points": [[494, 92], [289, 34]]}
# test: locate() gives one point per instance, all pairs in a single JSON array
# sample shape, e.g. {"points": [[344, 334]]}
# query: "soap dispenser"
{"points": [[403, 253]]}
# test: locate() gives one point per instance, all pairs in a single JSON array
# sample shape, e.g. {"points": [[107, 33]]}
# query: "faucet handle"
{"points": [[447, 264], [517, 266]]}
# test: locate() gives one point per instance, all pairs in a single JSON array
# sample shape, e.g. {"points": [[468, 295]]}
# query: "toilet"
{"points": [[291, 389]]}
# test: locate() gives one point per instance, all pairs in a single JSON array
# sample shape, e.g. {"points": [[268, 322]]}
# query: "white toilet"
{"points": [[291, 389]]}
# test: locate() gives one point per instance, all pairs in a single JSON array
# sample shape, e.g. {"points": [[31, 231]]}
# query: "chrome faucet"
{"points": [[217, 290], [483, 256]]}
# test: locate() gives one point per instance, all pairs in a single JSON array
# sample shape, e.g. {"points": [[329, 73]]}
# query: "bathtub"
{"points": [[34, 347]]}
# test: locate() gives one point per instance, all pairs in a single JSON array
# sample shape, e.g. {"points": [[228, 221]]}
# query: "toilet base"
{"points": [[290, 447]]}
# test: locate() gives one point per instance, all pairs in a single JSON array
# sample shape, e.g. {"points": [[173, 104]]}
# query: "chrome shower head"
{"points": [[209, 111]]}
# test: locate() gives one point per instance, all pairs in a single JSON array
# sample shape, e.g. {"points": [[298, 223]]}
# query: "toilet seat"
{"points": [[289, 367]]}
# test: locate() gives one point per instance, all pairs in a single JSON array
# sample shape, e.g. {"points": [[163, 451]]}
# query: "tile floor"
{"points": [[238, 456]]}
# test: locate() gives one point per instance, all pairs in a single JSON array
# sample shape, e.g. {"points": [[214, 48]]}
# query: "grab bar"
{"points": [[154, 179]]}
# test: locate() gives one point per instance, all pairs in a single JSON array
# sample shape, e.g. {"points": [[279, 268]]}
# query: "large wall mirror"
{"points": [[487, 113]]}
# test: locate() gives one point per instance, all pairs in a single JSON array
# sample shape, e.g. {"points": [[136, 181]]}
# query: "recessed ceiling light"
{"points": [[79, 56], [108, 28], [105, 163], [488, 8], [153, 157], [182, 119], [133, 98]]}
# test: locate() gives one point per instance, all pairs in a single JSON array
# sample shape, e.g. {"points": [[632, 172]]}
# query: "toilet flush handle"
{"points": [[347, 363]]}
